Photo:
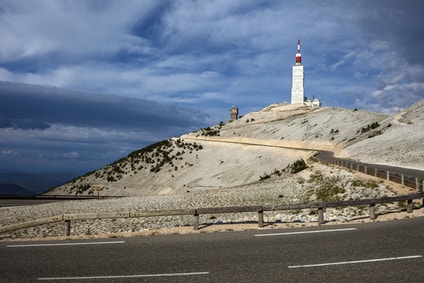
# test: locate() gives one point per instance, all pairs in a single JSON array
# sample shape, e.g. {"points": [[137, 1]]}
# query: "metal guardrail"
{"points": [[53, 197], [408, 181], [260, 209]]}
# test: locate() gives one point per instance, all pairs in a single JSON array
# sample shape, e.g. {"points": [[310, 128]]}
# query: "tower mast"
{"points": [[298, 55], [298, 79]]}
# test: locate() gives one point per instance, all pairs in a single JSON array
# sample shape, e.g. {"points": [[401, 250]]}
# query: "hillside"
{"points": [[401, 144], [247, 151]]}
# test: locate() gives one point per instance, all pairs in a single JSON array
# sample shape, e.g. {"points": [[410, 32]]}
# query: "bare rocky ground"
{"points": [[401, 144]]}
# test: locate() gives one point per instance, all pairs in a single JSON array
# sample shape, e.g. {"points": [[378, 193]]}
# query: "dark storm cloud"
{"points": [[49, 128], [398, 22], [35, 107], [25, 124]]}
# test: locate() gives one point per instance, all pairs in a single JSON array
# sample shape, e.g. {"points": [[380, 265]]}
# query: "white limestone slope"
{"points": [[326, 128], [216, 166], [239, 153], [402, 144]]}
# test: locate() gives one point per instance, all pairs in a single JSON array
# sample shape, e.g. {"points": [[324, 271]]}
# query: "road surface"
{"points": [[413, 173], [374, 252], [322, 155]]}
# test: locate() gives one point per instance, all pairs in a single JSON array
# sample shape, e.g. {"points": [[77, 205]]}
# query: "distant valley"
{"points": [[17, 183]]}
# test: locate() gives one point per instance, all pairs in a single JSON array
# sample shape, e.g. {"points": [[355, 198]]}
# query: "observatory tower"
{"points": [[298, 78]]}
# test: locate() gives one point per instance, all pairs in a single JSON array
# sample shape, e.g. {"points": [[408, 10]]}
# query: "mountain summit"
{"points": [[249, 150]]}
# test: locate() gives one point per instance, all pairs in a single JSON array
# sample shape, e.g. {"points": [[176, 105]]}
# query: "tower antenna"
{"points": [[298, 55]]}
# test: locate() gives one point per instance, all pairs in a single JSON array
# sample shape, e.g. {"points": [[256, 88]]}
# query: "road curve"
{"points": [[321, 153], [413, 173]]}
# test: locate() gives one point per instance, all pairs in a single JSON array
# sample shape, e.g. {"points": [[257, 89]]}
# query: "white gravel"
{"points": [[277, 189]]}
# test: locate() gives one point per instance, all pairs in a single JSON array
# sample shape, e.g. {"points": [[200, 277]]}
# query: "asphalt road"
{"points": [[10, 200], [413, 173], [375, 252], [21, 202]]}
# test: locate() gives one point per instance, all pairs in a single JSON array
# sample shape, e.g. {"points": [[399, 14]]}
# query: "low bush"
{"points": [[298, 166]]}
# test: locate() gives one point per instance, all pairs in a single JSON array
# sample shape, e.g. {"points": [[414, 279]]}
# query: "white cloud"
{"points": [[208, 55], [8, 152], [38, 28], [71, 155], [343, 60], [240, 43]]}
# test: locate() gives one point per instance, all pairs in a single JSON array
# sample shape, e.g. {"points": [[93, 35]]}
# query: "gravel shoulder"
{"points": [[394, 215]]}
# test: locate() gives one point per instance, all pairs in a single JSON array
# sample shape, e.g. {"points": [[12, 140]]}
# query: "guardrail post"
{"points": [[196, 221], [375, 172], [372, 211], [357, 167], [260, 218], [410, 207], [67, 227], [417, 185], [321, 215], [402, 179], [388, 176]]}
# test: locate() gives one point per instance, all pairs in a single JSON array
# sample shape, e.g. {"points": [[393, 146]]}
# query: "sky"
{"points": [[83, 83]]}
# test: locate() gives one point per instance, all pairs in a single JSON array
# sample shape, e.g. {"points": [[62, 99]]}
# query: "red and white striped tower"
{"points": [[298, 55], [298, 79]]}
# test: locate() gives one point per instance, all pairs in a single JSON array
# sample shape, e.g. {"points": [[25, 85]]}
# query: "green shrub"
{"points": [[264, 177], [326, 188], [369, 185], [372, 126], [298, 166], [329, 192]]}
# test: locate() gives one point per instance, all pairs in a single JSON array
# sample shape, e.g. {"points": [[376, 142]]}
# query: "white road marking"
{"points": [[123, 276], [306, 232], [355, 261], [66, 244]]}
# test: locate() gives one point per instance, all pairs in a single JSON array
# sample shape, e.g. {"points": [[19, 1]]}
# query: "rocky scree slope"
{"points": [[400, 144], [235, 154]]}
